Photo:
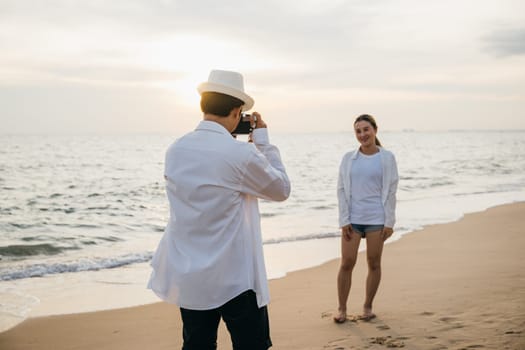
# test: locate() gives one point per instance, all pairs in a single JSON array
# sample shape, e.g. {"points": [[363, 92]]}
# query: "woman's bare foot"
{"points": [[367, 314], [340, 317]]}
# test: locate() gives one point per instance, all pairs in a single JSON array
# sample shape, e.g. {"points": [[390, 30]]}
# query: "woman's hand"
{"points": [[346, 231], [386, 233]]}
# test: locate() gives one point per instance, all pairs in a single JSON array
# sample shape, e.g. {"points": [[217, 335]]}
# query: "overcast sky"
{"points": [[132, 66]]}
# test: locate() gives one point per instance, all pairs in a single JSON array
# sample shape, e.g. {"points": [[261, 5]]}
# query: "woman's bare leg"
{"points": [[349, 250], [374, 251]]}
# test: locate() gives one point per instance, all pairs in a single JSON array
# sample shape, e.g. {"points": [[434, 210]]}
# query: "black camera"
{"points": [[244, 127]]}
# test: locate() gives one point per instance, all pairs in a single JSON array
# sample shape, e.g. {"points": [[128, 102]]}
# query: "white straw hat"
{"points": [[228, 83]]}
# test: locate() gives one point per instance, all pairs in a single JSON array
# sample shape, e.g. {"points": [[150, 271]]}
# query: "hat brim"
{"points": [[212, 87]]}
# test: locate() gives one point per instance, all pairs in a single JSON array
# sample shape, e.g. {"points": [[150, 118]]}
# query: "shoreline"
{"points": [[109, 289], [112, 288], [464, 290]]}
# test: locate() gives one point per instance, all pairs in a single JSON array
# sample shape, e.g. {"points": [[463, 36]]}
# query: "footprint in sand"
{"points": [[336, 344], [389, 342], [447, 319], [452, 322], [334, 347], [427, 313]]}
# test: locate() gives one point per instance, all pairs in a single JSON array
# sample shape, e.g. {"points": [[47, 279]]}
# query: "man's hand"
{"points": [[259, 124]]}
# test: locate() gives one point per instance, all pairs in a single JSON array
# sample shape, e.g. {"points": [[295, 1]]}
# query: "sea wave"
{"points": [[99, 263], [39, 270], [301, 238], [19, 250]]}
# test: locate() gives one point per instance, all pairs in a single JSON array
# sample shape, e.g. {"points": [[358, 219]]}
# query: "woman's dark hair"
{"points": [[371, 120], [218, 104]]}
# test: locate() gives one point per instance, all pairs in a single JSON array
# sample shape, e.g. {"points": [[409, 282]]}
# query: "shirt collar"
{"points": [[212, 126], [357, 151]]}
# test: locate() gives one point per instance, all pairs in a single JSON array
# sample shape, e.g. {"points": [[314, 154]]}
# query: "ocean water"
{"points": [[71, 205]]}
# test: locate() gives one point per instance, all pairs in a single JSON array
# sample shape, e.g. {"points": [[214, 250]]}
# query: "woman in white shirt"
{"points": [[366, 192]]}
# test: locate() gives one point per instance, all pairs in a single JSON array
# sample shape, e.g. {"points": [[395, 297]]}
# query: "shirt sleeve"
{"points": [[390, 203], [264, 174], [342, 198]]}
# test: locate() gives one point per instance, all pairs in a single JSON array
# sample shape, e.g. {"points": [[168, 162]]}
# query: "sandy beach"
{"points": [[459, 285]]}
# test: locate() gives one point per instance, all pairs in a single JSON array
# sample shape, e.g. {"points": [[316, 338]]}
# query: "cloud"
{"points": [[69, 106], [505, 42], [312, 52]]}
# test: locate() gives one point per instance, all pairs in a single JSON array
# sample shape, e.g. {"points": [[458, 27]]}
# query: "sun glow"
{"points": [[191, 57]]}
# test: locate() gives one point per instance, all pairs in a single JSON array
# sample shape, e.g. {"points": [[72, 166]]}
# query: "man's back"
{"points": [[204, 174], [213, 237]]}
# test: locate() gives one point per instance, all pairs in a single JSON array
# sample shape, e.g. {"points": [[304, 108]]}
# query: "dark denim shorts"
{"points": [[364, 229]]}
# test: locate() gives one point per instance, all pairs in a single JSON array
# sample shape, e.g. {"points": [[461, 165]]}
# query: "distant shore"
{"points": [[449, 286]]}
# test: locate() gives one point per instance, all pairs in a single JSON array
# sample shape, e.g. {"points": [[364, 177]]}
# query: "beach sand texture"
{"points": [[450, 286]]}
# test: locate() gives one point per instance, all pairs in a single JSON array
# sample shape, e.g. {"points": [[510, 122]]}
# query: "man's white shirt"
{"points": [[211, 250]]}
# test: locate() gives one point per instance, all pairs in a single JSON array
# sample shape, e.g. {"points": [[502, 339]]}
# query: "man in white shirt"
{"points": [[210, 260]]}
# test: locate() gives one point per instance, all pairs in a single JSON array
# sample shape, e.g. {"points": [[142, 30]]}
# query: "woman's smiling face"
{"points": [[365, 133]]}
